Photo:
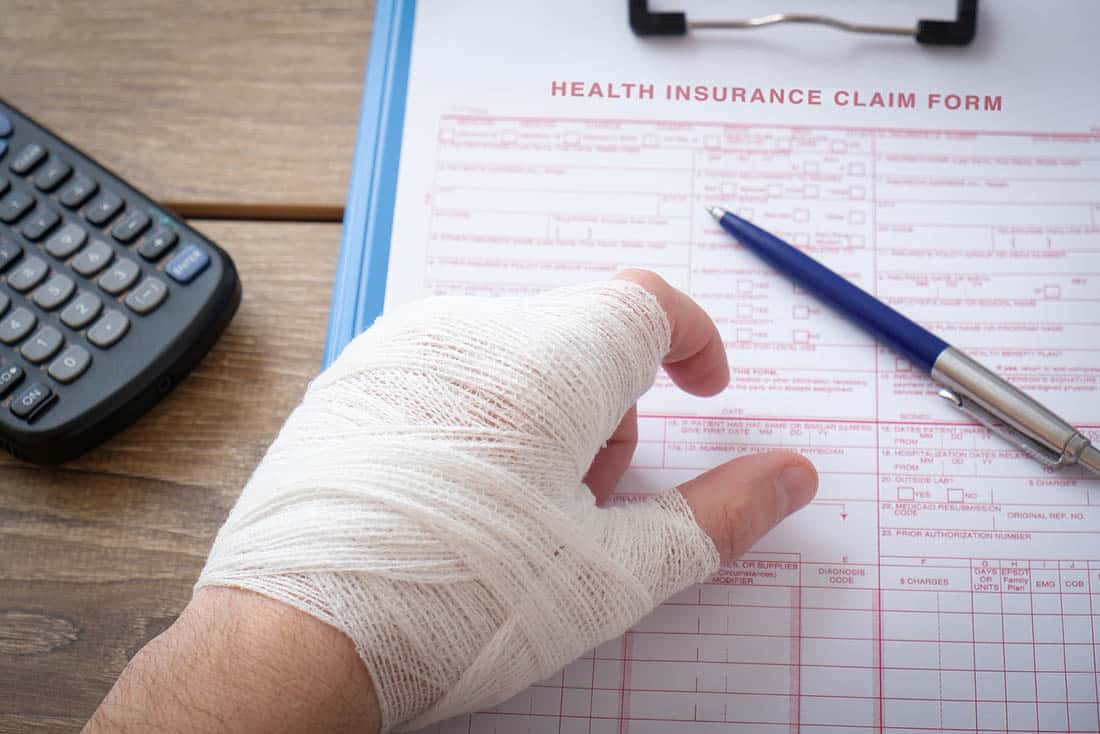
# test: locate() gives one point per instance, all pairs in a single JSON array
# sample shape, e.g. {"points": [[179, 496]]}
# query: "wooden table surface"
{"points": [[242, 114]]}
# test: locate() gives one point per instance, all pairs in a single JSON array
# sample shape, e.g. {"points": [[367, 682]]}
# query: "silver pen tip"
{"points": [[716, 212]]}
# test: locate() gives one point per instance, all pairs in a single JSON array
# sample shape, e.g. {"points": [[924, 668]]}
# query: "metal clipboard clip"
{"points": [[958, 32]]}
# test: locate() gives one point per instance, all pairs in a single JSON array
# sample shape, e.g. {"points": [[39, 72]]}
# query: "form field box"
{"points": [[746, 212], [801, 215], [902, 365], [729, 189], [775, 190], [801, 238], [905, 494], [801, 336], [649, 141], [857, 168], [743, 336], [744, 287], [857, 240], [801, 312], [858, 192], [811, 167], [508, 137], [1052, 292], [571, 139], [744, 311], [810, 191], [955, 495], [712, 141], [857, 216], [838, 146]]}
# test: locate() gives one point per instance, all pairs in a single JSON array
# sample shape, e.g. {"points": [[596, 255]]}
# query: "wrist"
{"points": [[238, 661]]}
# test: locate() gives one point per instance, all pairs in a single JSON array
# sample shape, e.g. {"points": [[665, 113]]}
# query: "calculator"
{"points": [[107, 300]]}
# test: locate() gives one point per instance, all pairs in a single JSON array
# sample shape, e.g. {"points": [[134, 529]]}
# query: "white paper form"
{"points": [[941, 581]]}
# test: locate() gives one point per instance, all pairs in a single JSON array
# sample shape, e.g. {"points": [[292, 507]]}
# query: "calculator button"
{"points": [[187, 264], [156, 244], [29, 274], [17, 325], [130, 226], [82, 311], [32, 400], [5, 126], [50, 176], [10, 376], [102, 208], [54, 291], [14, 205], [9, 253], [5, 301], [66, 241], [92, 258], [119, 276], [42, 345], [109, 329], [40, 224], [79, 190], [71, 364], [147, 296], [29, 157]]}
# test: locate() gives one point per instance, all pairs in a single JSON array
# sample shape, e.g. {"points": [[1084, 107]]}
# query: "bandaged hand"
{"points": [[440, 495]]}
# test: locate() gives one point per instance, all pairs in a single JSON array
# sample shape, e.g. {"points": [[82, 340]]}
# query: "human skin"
{"points": [[236, 661]]}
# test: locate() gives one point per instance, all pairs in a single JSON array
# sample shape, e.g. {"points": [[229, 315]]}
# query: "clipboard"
{"points": [[359, 288], [360, 285]]}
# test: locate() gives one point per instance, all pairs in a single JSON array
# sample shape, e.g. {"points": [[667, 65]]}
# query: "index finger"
{"points": [[696, 359]]}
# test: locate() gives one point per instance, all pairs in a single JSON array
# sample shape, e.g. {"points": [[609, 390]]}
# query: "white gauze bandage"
{"points": [[427, 497]]}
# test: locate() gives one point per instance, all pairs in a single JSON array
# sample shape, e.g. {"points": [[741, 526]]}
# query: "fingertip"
{"points": [[696, 360], [798, 481], [706, 373]]}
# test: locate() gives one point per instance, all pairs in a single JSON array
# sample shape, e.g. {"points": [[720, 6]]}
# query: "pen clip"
{"points": [[1029, 446]]}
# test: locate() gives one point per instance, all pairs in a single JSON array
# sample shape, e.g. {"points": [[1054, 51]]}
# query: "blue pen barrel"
{"points": [[919, 345]]}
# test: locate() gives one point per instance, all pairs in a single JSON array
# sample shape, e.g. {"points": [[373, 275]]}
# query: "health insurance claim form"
{"points": [[941, 580]]}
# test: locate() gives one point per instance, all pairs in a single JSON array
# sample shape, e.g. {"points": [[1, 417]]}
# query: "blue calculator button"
{"points": [[5, 126], [187, 264]]}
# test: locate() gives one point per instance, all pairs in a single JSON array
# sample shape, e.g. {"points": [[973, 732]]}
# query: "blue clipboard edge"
{"points": [[359, 290]]}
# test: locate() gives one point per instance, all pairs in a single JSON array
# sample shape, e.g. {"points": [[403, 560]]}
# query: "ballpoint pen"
{"points": [[969, 386]]}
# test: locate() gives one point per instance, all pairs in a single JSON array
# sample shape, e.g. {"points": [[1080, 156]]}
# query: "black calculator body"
{"points": [[106, 299]]}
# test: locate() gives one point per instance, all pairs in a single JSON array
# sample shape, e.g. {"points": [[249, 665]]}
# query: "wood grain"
{"points": [[211, 107], [98, 556]]}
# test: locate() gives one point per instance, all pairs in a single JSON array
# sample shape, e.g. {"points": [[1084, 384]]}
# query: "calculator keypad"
{"points": [[31, 400], [26, 159], [17, 325], [82, 311], [66, 240], [109, 329], [50, 176], [28, 273], [81, 266], [43, 345]]}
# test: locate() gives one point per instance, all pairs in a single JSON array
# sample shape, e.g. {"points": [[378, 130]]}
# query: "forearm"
{"points": [[239, 662]]}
